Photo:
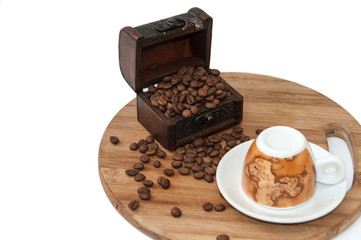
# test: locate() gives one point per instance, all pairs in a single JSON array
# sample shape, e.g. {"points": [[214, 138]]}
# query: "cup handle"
{"points": [[330, 169]]}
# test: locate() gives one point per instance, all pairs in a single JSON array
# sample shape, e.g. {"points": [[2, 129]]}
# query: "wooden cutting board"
{"points": [[268, 101]]}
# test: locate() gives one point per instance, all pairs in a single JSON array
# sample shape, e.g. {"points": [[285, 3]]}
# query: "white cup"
{"points": [[281, 171]]}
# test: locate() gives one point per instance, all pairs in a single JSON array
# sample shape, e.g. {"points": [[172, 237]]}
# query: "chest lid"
{"points": [[151, 51]]}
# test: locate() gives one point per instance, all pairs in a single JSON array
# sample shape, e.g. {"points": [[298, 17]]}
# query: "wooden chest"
{"points": [[168, 58]]}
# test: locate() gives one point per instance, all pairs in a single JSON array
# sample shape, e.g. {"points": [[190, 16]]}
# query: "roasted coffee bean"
{"points": [[189, 160], [218, 92], [206, 164], [186, 113], [202, 92], [190, 153], [208, 206], [214, 72], [114, 139], [222, 237], [145, 196], [164, 182], [152, 88], [133, 146], [201, 154], [160, 153], [167, 78], [143, 190], [151, 152], [210, 171], [199, 160], [209, 98], [133, 205], [219, 207], [221, 96], [200, 149], [215, 138], [214, 154], [231, 143], [217, 146], [208, 178], [184, 171], [141, 142], [208, 143], [238, 129], [177, 157], [216, 161], [209, 150], [190, 99], [144, 158], [220, 86], [212, 81], [236, 135], [156, 164], [169, 172], [198, 168], [176, 164], [176, 212], [138, 166], [189, 165], [139, 177], [194, 110], [258, 131], [210, 105], [143, 148], [131, 172], [245, 138], [227, 148], [149, 139], [198, 175], [182, 71], [180, 150], [147, 183]]}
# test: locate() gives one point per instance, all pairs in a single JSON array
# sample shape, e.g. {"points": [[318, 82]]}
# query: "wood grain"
{"points": [[268, 101]]}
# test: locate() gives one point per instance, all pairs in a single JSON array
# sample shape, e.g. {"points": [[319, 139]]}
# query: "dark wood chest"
{"points": [[166, 59]]}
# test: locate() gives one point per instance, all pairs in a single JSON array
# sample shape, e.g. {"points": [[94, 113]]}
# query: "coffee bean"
{"points": [[168, 172], [215, 138], [216, 161], [245, 139], [152, 88], [222, 237], [231, 143], [258, 131], [210, 105], [131, 172], [156, 164], [189, 160], [147, 183], [202, 92], [194, 110], [177, 157], [114, 139], [209, 150], [143, 148], [176, 164], [138, 166], [236, 135], [164, 182], [184, 171], [208, 143], [212, 81], [238, 129], [201, 154], [208, 206], [199, 160], [133, 205], [154, 103], [206, 164], [186, 113], [189, 165], [143, 190], [199, 149], [176, 212], [191, 153], [139, 177], [182, 71], [149, 139], [217, 146], [180, 150], [197, 168], [160, 153], [198, 175], [145, 196], [151, 152], [133, 146], [219, 207], [220, 86], [210, 171], [227, 148], [214, 72], [144, 158], [141, 142], [214, 154], [208, 178]]}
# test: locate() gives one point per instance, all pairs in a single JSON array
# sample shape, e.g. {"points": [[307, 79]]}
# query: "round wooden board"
{"points": [[268, 101]]}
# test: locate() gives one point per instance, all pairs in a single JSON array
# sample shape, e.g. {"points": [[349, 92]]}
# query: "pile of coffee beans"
{"points": [[184, 92], [201, 157]]}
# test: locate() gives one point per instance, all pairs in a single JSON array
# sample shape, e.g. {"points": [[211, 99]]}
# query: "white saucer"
{"points": [[229, 175]]}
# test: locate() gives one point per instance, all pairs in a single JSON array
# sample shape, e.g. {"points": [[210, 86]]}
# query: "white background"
{"points": [[60, 86]]}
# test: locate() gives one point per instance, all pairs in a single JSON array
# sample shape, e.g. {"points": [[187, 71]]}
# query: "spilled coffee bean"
{"points": [[176, 212], [133, 205], [114, 139]]}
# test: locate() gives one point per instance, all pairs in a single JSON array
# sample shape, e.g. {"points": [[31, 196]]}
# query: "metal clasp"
{"points": [[176, 22], [207, 118]]}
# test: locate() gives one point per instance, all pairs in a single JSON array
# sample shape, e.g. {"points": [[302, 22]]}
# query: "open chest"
{"points": [[167, 64]]}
